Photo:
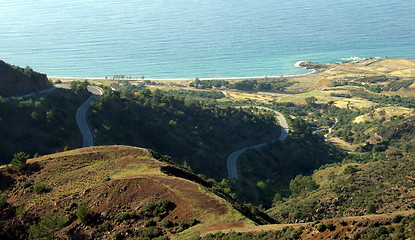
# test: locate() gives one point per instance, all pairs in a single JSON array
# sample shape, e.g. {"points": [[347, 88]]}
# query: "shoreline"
{"points": [[297, 64], [183, 79]]}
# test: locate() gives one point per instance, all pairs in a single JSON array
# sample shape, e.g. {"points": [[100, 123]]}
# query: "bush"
{"points": [[157, 209], [83, 212], [20, 210], [19, 160], [193, 222], [351, 169], [150, 223], [343, 223], [331, 227], [40, 188], [397, 218], [321, 227], [302, 184], [166, 223], [27, 184], [73, 205], [149, 232], [106, 226], [371, 208], [3, 200], [122, 216], [47, 227]]}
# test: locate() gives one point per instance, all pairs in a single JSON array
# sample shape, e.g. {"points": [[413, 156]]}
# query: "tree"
{"points": [[302, 184], [311, 101], [28, 72], [47, 227], [196, 82], [19, 160], [83, 212]]}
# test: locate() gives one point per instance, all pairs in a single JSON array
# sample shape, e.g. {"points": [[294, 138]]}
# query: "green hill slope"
{"points": [[128, 191]]}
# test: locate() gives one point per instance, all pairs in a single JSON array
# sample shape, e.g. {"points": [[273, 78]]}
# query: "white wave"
{"points": [[354, 58], [298, 64]]}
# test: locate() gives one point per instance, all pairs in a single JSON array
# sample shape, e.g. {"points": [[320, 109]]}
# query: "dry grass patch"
{"points": [[386, 112]]}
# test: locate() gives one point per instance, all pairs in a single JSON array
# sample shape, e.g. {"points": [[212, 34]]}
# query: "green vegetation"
{"points": [[285, 234], [157, 209], [396, 100], [203, 135], [198, 95], [3, 200], [40, 124], [264, 85], [302, 185], [48, 227], [19, 160], [267, 171], [40, 188], [29, 72], [83, 212], [393, 84]]}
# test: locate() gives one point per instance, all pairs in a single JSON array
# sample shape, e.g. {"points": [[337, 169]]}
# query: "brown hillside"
{"points": [[15, 81], [118, 183]]}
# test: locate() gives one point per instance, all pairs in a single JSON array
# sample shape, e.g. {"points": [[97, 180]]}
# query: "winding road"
{"points": [[232, 172], [81, 118]]}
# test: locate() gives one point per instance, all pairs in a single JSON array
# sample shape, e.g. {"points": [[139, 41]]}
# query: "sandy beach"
{"points": [[184, 79]]}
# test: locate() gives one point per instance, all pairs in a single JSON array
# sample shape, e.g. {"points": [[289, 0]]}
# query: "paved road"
{"points": [[34, 93], [81, 119], [232, 172]]}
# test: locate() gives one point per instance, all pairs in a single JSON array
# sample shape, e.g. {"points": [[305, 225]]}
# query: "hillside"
{"points": [[40, 124], [199, 134], [16, 81], [129, 191]]}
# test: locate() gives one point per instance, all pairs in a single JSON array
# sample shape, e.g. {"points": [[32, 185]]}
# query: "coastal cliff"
{"points": [[15, 81]]}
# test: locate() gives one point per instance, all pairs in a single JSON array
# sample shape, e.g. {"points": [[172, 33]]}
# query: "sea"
{"points": [[165, 39]]}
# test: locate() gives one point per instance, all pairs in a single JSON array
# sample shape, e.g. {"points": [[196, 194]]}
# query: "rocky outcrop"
{"points": [[16, 81], [312, 65]]}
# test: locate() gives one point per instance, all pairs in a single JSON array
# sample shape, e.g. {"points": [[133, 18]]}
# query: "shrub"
{"points": [[47, 227], [343, 223], [351, 169], [72, 206], [150, 223], [122, 216], [321, 227], [193, 222], [27, 184], [166, 223], [20, 210], [83, 212], [149, 232], [397, 218], [106, 226], [157, 209], [19, 160], [371, 208], [3, 200], [331, 227], [40, 188], [302, 184]]}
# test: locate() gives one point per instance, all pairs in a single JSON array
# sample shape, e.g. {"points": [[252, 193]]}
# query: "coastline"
{"points": [[189, 79]]}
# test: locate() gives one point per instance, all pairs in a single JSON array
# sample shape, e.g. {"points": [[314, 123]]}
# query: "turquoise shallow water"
{"points": [[189, 38]]}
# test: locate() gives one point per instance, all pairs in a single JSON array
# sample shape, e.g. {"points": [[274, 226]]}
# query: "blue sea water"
{"points": [[195, 38]]}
